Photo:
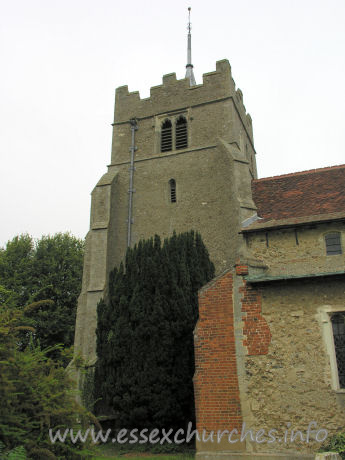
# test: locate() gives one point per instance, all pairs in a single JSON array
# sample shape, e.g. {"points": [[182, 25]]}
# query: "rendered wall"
{"points": [[293, 382], [283, 254]]}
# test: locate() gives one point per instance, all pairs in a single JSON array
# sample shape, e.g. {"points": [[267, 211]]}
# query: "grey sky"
{"points": [[62, 60]]}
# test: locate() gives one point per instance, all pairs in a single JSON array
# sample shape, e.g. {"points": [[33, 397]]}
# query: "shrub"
{"points": [[335, 443]]}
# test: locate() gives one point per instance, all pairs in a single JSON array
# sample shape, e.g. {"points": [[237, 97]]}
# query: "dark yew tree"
{"points": [[145, 329]]}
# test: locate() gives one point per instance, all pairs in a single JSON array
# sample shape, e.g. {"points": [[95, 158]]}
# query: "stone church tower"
{"points": [[181, 159]]}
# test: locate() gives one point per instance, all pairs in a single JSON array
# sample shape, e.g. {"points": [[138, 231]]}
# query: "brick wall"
{"points": [[217, 396], [256, 331], [275, 383]]}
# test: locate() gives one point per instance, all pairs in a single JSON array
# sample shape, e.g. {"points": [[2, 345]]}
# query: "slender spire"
{"points": [[189, 66]]}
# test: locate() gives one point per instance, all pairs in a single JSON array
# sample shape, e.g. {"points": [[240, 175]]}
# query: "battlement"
{"points": [[176, 94]]}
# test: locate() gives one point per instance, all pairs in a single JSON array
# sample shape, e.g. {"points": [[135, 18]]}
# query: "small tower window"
{"points": [[333, 244], [172, 184], [166, 136], [181, 133], [338, 326]]}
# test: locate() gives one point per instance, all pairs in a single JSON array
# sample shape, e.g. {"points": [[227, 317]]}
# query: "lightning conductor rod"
{"points": [[189, 66], [133, 148]]}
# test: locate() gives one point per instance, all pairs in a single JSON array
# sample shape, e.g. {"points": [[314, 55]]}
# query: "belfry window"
{"points": [[333, 243], [338, 326], [166, 136], [181, 133], [172, 185]]}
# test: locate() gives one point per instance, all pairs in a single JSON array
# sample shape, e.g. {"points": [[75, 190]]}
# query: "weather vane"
{"points": [[189, 27]]}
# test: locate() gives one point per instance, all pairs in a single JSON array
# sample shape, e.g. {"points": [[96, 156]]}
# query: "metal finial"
{"points": [[189, 66]]}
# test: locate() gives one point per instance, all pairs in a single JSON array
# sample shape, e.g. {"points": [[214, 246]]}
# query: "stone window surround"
{"points": [[324, 317], [172, 116], [172, 191]]}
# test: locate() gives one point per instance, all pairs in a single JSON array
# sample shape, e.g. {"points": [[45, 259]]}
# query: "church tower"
{"points": [[182, 159]]}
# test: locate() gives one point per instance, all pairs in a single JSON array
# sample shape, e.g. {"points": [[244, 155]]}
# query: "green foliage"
{"points": [[16, 266], [117, 456], [50, 268], [35, 394], [18, 453], [135, 451], [7, 297], [335, 443], [145, 333], [87, 393]]}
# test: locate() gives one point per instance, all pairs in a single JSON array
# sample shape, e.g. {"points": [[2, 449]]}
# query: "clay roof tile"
{"points": [[305, 193]]}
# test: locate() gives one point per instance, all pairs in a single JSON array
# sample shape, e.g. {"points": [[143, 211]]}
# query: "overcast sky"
{"points": [[61, 61]]}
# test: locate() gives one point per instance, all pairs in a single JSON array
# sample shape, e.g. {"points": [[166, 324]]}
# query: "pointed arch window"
{"points": [[166, 136], [172, 186], [333, 243], [338, 326], [181, 133]]}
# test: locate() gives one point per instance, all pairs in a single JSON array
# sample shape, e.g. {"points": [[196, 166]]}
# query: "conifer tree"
{"points": [[35, 395], [145, 333]]}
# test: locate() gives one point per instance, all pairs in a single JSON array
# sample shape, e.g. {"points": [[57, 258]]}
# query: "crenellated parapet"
{"points": [[176, 94], [210, 162]]}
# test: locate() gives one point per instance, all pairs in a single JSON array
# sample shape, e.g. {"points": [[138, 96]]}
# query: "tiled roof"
{"points": [[301, 194], [265, 224], [285, 276]]}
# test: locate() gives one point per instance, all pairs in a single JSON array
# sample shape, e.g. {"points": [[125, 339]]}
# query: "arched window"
{"points": [[181, 133], [338, 326], [166, 136], [333, 243], [172, 184]]}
